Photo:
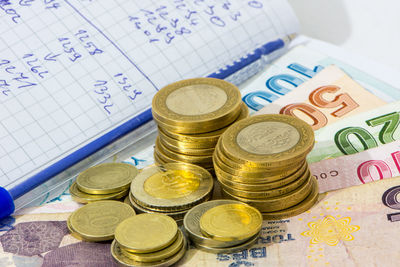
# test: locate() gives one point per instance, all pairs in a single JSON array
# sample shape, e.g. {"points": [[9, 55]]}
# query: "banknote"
{"points": [[356, 226], [357, 133], [329, 96], [351, 227], [368, 166], [299, 65]]}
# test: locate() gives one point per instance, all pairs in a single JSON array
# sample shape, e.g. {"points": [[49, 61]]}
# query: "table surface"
{"points": [[367, 27]]}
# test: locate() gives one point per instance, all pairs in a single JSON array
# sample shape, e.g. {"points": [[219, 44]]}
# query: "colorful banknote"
{"points": [[357, 133], [328, 97], [368, 166]]}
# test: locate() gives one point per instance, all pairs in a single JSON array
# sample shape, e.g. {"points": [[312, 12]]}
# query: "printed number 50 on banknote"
{"points": [[298, 66]]}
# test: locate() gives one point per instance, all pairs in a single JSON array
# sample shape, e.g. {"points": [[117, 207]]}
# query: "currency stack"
{"points": [[223, 226], [148, 240], [261, 161], [170, 189], [191, 116], [103, 182]]}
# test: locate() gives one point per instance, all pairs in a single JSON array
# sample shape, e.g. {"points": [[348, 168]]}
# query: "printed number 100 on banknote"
{"points": [[298, 66]]}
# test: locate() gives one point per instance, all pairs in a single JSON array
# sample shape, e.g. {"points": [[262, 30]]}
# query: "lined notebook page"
{"points": [[71, 71]]}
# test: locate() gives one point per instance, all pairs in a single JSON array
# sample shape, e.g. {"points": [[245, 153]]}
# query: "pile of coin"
{"points": [[223, 226], [102, 182], [262, 161], [97, 221], [191, 116], [170, 189], [148, 240]]}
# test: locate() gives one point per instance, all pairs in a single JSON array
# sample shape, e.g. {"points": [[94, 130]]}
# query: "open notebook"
{"points": [[77, 75]]}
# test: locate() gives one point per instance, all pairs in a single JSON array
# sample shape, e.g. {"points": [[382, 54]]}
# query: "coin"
{"points": [[249, 166], [229, 222], [256, 174], [106, 178], [208, 138], [262, 194], [186, 158], [171, 187], [120, 258], [301, 207], [248, 243], [261, 178], [72, 231], [177, 215], [271, 140], [193, 105], [191, 223], [82, 197], [244, 184], [161, 159], [279, 202], [187, 151], [203, 144], [97, 221], [158, 255], [147, 232]]}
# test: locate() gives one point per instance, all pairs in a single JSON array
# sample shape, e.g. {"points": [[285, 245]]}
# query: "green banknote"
{"points": [[357, 133]]}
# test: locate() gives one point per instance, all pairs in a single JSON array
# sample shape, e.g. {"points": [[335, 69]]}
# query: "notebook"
{"points": [[77, 77]]}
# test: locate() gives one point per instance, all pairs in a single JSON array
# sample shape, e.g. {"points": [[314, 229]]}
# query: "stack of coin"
{"points": [[148, 240], [262, 161], [170, 189], [102, 182], [97, 221], [191, 116], [223, 226]]}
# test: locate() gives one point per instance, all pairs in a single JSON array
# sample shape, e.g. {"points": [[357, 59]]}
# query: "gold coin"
{"points": [[172, 187], [187, 151], [229, 222], [208, 138], [147, 232], [204, 144], [301, 207], [97, 221], [241, 183], [176, 215], [158, 255], [191, 223], [233, 164], [161, 159], [121, 259], [271, 140], [82, 197], [279, 202], [186, 158], [260, 193], [226, 250], [261, 178], [193, 105], [255, 174], [72, 231], [106, 178]]}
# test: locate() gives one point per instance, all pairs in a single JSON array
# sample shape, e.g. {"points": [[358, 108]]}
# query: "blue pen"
{"points": [[257, 54]]}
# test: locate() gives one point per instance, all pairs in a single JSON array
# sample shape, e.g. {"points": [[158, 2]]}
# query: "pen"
{"points": [[259, 54]]}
